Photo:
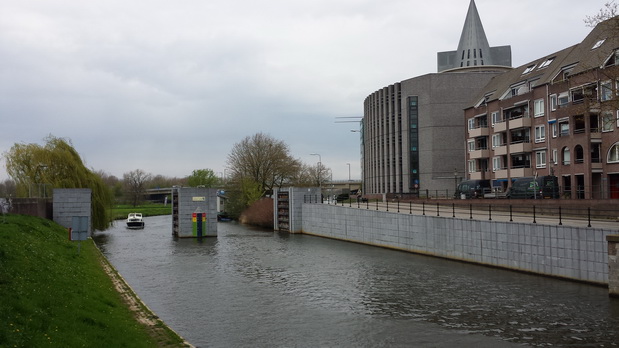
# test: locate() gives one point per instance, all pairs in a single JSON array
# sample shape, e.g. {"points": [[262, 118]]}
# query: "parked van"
{"points": [[532, 187], [472, 189]]}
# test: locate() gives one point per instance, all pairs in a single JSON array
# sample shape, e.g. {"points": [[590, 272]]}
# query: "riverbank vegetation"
{"points": [[51, 295], [120, 211]]}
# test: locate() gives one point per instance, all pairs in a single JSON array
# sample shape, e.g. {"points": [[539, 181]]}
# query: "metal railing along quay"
{"points": [[523, 212]]}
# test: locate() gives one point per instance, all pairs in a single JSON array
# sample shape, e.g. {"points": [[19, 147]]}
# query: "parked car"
{"points": [[472, 189], [534, 187], [342, 197]]}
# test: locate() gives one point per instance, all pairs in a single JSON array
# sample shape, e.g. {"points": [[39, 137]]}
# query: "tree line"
{"points": [[256, 165]]}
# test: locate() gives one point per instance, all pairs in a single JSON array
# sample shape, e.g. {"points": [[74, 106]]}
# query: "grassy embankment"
{"points": [[51, 296], [120, 211]]}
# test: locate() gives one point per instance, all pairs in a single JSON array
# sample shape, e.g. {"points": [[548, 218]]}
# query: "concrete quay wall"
{"points": [[574, 253]]}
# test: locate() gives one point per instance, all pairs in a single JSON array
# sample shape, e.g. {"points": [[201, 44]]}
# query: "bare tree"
{"points": [[264, 160], [135, 184], [609, 11]]}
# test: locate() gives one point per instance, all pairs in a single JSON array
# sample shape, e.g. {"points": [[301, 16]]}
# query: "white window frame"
{"points": [[553, 102], [555, 155], [471, 123], [565, 96], [613, 154], [496, 163], [472, 166], [495, 117], [566, 156], [540, 133], [540, 159], [608, 87], [497, 140], [538, 107], [470, 145]]}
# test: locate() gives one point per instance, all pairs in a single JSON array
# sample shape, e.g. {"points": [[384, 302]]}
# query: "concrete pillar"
{"points": [[613, 265]]}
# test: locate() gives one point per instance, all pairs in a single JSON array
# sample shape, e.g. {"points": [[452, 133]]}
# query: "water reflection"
{"points": [[250, 287]]}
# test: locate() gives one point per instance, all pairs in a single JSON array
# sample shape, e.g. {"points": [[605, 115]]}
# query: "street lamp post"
{"points": [[455, 181], [348, 177]]}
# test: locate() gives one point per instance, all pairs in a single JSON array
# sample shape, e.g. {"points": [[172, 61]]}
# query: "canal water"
{"points": [[256, 288]]}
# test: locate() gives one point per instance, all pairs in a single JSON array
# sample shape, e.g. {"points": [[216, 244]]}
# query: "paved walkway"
{"points": [[479, 213]]}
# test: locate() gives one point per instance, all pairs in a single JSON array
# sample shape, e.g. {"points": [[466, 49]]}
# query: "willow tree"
{"points": [[57, 165]]}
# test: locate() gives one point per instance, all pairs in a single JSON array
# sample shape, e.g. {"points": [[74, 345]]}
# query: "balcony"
{"points": [[479, 132], [500, 127], [520, 172], [481, 153], [476, 176], [521, 122], [519, 147], [500, 150], [500, 174]]}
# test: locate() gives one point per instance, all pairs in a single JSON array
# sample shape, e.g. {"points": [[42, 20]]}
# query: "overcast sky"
{"points": [[171, 86]]}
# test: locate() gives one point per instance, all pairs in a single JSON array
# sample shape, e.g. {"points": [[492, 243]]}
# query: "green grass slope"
{"points": [[51, 296]]}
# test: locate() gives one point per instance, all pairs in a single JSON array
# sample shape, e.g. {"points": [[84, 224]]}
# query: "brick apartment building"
{"points": [[557, 115]]}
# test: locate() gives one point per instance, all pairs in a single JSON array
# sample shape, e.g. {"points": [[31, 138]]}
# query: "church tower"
{"points": [[473, 48]]}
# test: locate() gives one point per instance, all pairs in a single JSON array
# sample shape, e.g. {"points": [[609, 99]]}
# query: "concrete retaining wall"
{"points": [[561, 251]]}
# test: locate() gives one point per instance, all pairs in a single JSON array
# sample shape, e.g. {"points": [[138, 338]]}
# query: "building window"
{"points": [[598, 44], [606, 91], [472, 166], [528, 69], [471, 145], [540, 159], [471, 123], [496, 163], [496, 117], [553, 126], [497, 140], [539, 107], [563, 99], [553, 102], [546, 63], [555, 156], [540, 133], [566, 156], [613, 59], [608, 121], [613, 154], [564, 128]]}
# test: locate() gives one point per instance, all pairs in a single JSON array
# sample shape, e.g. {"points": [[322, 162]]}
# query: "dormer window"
{"points": [[613, 59]]}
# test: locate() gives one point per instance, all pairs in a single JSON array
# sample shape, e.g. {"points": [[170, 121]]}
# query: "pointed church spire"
{"points": [[473, 48]]}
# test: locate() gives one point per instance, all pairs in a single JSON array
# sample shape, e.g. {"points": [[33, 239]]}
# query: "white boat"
{"points": [[134, 220]]}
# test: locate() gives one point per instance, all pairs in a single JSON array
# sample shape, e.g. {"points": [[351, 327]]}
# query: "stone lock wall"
{"points": [[613, 265]]}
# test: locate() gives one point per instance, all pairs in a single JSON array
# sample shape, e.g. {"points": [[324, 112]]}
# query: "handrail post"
{"points": [[534, 220], [490, 212], [423, 207], [437, 210], [589, 216], [560, 218], [453, 209], [510, 214], [470, 211], [387, 204], [410, 207], [398, 205]]}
